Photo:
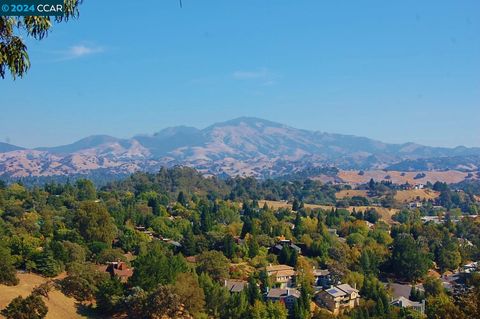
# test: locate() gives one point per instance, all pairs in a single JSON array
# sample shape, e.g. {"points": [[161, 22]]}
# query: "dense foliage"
{"points": [[184, 235]]}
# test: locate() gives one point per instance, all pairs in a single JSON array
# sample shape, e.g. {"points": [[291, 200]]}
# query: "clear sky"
{"points": [[396, 71]]}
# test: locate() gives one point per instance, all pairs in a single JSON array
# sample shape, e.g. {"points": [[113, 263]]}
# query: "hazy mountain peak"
{"points": [[5, 147], [249, 121], [245, 145], [82, 144], [174, 130]]}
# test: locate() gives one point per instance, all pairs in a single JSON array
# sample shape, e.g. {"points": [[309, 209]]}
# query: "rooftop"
{"points": [[347, 288], [278, 267], [406, 303], [282, 293], [335, 292], [235, 285]]}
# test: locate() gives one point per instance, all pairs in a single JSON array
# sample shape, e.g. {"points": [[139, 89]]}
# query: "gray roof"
{"points": [[405, 303], [279, 293], [400, 290], [335, 292], [321, 272], [235, 285], [295, 247], [347, 288]]}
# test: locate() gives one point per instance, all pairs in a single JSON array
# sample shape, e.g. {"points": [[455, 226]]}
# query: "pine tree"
{"points": [[295, 205], [229, 246], [8, 274], [265, 282], [206, 218], [299, 229], [253, 293], [189, 244], [253, 247], [247, 227], [182, 199]]}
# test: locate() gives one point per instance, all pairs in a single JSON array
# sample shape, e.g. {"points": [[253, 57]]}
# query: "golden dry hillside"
{"points": [[59, 305], [401, 196], [411, 195], [348, 193], [352, 177]]}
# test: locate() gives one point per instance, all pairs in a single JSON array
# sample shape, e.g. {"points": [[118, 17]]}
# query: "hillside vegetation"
{"points": [[59, 305]]}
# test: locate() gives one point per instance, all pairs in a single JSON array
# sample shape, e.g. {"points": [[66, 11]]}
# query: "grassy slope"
{"points": [[59, 305], [402, 196]]}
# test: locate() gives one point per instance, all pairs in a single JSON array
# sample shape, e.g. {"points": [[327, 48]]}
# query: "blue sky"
{"points": [[396, 71]]}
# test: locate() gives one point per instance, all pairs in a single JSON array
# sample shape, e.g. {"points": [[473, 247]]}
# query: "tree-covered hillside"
{"points": [[176, 244]]}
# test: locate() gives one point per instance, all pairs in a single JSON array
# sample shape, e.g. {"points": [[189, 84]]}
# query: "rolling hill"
{"points": [[243, 146]]}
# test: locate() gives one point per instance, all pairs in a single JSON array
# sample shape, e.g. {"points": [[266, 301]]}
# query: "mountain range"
{"points": [[243, 146]]}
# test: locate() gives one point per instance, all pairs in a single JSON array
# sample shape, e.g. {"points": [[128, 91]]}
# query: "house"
{"points": [[285, 243], [282, 275], [415, 204], [234, 285], [323, 278], [407, 303], [338, 298], [471, 267], [288, 296], [399, 290], [406, 186], [119, 269], [433, 219]]}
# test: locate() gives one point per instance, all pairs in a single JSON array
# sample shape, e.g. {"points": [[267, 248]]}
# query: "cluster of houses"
{"points": [[442, 218], [454, 283], [330, 293], [335, 298]]}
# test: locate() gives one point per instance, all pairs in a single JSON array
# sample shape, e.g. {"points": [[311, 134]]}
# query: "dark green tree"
{"points": [[228, 246], [253, 292], [409, 259], [95, 223], [47, 265], [85, 190], [157, 267], [31, 307], [182, 199], [8, 274], [110, 296], [214, 263], [216, 296]]}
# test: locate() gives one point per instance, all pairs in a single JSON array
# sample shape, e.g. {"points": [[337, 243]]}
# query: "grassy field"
{"points": [[411, 195], [348, 193], [385, 213], [59, 305], [403, 196]]}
